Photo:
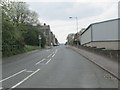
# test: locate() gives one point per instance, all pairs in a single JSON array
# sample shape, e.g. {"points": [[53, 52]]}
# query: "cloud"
{"points": [[68, 0], [62, 10], [109, 12], [88, 11]]}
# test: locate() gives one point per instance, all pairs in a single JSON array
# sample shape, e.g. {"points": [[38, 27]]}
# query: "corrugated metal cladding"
{"points": [[106, 31], [86, 36]]}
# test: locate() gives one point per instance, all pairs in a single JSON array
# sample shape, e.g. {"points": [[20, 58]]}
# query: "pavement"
{"points": [[58, 67], [107, 64]]}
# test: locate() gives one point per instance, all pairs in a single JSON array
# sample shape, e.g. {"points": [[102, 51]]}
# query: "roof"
{"points": [[98, 23]]}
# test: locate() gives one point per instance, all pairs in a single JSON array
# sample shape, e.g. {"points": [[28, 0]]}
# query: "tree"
{"points": [[19, 12], [18, 28], [31, 36], [11, 44]]}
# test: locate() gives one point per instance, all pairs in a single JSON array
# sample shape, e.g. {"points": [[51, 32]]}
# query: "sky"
{"points": [[56, 13]]}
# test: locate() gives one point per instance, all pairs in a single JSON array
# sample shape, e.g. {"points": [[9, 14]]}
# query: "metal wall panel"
{"points": [[86, 36], [105, 31]]}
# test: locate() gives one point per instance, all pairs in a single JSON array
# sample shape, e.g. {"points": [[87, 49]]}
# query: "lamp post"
{"points": [[76, 26], [40, 40]]}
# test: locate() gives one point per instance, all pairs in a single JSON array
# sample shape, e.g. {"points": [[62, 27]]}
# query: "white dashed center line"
{"points": [[53, 55], [40, 61], [49, 55], [48, 61]]}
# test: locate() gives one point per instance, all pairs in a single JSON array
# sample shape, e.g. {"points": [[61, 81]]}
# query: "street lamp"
{"points": [[76, 22], [76, 26], [40, 40]]}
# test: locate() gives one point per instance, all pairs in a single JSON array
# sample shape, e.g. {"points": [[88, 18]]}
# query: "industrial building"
{"points": [[102, 35]]}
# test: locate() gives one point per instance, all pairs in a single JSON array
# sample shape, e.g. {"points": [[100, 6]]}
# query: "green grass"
{"points": [[30, 48], [27, 48]]}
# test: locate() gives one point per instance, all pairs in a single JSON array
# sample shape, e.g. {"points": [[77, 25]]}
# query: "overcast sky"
{"points": [[56, 13]]}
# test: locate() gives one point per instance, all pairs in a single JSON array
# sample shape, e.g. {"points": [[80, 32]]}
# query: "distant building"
{"points": [[102, 35], [45, 29], [50, 37], [47, 33]]}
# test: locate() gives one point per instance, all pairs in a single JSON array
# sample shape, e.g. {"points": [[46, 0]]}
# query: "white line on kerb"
{"points": [[12, 75], [25, 79], [40, 61], [48, 61]]}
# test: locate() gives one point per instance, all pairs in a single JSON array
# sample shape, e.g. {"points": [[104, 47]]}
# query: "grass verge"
{"points": [[31, 48]]}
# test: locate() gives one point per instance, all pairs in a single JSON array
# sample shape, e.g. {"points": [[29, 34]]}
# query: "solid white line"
{"points": [[48, 61], [40, 61], [25, 79], [12, 75]]}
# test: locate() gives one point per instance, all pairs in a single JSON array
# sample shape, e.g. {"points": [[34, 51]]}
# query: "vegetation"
{"points": [[19, 28], [30, 48]]}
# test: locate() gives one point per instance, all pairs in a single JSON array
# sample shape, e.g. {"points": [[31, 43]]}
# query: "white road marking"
{"points": [[1, 88], [53, 55], [12, 75], [48, 61], [49, 55], [25, 79], [56, 51], [40, 61], [28, 71]]}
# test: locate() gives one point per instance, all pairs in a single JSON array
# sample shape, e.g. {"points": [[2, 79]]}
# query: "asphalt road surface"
{"points": [[59, 67]]}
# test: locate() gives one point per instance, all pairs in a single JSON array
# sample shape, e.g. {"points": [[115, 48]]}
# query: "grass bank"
{"points": [[31, 48], [27, 48]]}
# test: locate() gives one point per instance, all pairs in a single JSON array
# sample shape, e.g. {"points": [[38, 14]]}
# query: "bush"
{"points": [[11, 42], [31, 36]]}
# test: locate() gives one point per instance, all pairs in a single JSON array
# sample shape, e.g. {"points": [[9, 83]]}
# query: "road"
{"points": [[59, 67]]}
